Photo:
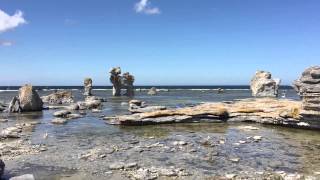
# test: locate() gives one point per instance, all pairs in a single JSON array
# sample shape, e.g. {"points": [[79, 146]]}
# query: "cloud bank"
{"points": [[8, 22], [144, 6]]}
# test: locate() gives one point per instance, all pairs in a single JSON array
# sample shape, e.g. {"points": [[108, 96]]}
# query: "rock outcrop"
{"points": [[115, 79], [87, 87], [308, 87], [2, 166], [262, 85], [28, 100], [152, 91], [60, 97], [127, 82], [282, 112]]}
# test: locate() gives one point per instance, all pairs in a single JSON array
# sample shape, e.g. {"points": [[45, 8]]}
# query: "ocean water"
{"points": [[282, 149]]}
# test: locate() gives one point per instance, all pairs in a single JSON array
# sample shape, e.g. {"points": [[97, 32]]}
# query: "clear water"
{"points": [[281, 149]]}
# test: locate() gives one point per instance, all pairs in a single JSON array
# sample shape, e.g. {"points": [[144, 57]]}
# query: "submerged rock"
{"points": [[308, 87], [59, 121], [2, 166], [152, 91], [28, 100], [115, 79], [127, 82], [87, 87], [136, 106], [262, 85], [60, 97]]}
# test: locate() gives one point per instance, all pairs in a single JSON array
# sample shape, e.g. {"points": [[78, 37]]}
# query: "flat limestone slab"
{"points": [[284, 112]]}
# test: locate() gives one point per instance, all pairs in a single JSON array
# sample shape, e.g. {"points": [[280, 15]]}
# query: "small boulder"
{"points": [[152, 91], [59, 97], [28, 100], [262, 85], [62, 113], [59, 121]]}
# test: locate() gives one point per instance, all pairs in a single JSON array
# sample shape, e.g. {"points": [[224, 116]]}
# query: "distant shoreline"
{"points": [[205, 87]]}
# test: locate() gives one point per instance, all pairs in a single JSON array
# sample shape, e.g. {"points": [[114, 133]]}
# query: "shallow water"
{"points": [[281, 149]]}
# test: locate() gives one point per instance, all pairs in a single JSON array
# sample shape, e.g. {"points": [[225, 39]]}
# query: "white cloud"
{"points": [[143, 6], [8, 22], [6, 43]]}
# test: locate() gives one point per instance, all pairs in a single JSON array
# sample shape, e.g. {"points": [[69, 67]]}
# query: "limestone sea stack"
{"points": [[152, 91], [308, 87], [262, 85], [127, 81], [28, 100], [115, 79], [87, 87]]}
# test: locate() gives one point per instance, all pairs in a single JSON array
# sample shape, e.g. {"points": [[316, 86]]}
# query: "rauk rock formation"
{"points": [[28, 100], [87, 87], [115, 79], [262, 85], [308, 87], [118, 82], [127, 83]]}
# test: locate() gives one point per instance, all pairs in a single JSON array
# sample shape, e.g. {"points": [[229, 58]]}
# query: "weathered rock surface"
{"points": [[262, 85], [23, 177], [91, 102], [2, 166], [28, 100], [87, 87], [136, 106], [115, 79], [60, 97], [308, 87], [11, 132], [152, 91], [62, 113], [262, 110], [59, 121], [127, 82]]}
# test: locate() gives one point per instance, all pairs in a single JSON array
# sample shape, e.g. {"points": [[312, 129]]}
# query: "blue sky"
{"points": [[161, 42]]}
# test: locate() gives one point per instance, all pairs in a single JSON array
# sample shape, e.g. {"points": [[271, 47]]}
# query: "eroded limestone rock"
{"points": [[127, 81], [28, 100], [115, 79], [137, 106], [152, 91], [59, 97], [87, 87], [308, 87], [262, 85]]}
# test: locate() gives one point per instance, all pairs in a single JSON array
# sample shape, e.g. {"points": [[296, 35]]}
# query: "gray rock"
{"points": [[137, 106], [116, 166], [127, 83], [73, 107], [23, 177], [262, 85], [28, 100], [59, 121], [115, 79], [308, 87], [87, 87], [62, 113], [60, 97], [11, 132], [152, 91], [2, 166]]}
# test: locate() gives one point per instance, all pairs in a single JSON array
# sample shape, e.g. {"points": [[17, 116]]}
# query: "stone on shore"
{"points": [[2, 166], [60, 97], [115, 79], [87, 87], [28, 100], [91, 102], [11, 132], [308, 87], [59, 121], [262, 85], [152, 91]]}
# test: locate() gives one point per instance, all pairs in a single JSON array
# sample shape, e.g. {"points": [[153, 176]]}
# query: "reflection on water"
{"points": [[285, 149]]}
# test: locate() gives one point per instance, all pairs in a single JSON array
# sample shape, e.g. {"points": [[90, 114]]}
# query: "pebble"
{"points": [[230, 176], [23, 177], [179, 143], [235, 160], [257, 138], [131, 165], [242, 142], [116, 166]]}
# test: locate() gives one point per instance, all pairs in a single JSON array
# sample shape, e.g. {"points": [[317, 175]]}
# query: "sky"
{"points": [[160, 42]]}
